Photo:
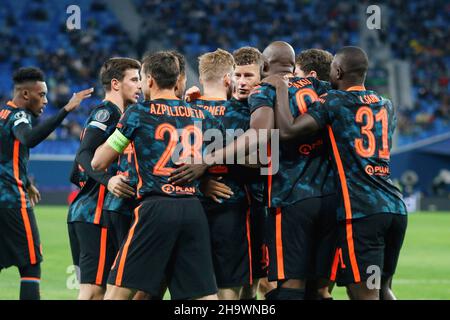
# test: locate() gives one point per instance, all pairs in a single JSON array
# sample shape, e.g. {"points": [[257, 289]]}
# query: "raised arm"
{"points": [[30, 137]]}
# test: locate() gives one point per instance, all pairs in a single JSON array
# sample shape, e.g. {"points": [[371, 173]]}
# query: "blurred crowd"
{"points": [[32, 33], [419, 33]]}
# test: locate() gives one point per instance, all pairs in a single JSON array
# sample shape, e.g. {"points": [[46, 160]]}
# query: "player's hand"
{"points": [[193, 93], [276, 81], [212, 188], [34, 195], [119, 187], [187, 173], [76, 99]]}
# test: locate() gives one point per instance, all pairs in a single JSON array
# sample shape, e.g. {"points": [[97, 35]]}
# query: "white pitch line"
{"points": [[420, 281]]}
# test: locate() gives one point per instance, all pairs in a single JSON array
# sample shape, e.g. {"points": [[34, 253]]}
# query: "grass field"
{"points": [[423, 271]]}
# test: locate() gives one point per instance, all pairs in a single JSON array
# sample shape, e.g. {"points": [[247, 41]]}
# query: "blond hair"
{"points": [[212, 66]]}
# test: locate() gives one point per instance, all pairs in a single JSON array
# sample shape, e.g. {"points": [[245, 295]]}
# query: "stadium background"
{"points": [[409, 56]]}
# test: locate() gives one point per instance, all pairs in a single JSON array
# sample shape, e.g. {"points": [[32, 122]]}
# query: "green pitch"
{"points": [[423, 271]]}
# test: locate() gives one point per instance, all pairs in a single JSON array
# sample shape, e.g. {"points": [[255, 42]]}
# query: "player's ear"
{"points": [[227, 80], [265, 69], [26, 94], [115, 84], [150, 81], [313, 74], [339, 73]]}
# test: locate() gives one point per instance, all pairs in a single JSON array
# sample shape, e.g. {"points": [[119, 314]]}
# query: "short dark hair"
{"points": [[114, 68], [27, 74], [163, 66], [315, 60], [248, 55], [181, 61], [354, 62]]}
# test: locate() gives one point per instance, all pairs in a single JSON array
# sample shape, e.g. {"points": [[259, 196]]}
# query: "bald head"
{"points": [[349, 67], [280, 56]]}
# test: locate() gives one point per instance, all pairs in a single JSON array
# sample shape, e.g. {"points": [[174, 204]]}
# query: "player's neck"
{"points": [[18, 102], [118, 101], [167, 94], [344, 86], [214, 92]]}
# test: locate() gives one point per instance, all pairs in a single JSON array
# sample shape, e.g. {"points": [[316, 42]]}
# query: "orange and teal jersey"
{"points": [[125, 166], [234, 115], [360, 124], [305, 169], [13, 158], [161, 132], [88, 204]]}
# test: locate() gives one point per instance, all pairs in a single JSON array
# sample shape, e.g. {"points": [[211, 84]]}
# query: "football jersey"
{"points": [[126, 167], [234, 115], [361, 124], [305, 169], [13, 158], [88, 204], [161, 132]]}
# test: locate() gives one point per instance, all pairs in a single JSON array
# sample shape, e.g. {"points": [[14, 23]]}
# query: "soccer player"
{"points": [[316, 63], [372, 215], [297, 206], [228, 218], [247, 74], [94, 237], [19, 236], [169, 237]]}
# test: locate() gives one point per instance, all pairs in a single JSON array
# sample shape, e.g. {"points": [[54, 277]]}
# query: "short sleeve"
{"points": [[320, 111], [263, 95]]}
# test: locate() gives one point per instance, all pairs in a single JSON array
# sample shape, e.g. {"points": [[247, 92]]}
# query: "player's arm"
{"points": [[30, 137], [290, 128], [33, 193], [103, 157], [261, 118], [109, 151], [211, 187]]}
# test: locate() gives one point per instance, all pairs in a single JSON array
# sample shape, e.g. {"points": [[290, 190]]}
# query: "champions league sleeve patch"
{"points": [[102, 115], [21, 117]]}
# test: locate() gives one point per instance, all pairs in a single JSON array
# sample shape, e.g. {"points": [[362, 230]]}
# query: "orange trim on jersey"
{"points": [[249, 241], [335, 265], [166, 98], [11, 104], [99, 208], [356, 88], [30, 279], [279, 245], [126, 246], [101, 260], [211, 98], [347, 206], [23, 203], [139, 185]]}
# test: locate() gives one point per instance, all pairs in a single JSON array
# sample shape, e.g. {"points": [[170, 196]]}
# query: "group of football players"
{"points": [[160, 208]]}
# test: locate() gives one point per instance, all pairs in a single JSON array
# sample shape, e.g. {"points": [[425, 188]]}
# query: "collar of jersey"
{"points": [[11, 104], [211, 99], [356, 88]]}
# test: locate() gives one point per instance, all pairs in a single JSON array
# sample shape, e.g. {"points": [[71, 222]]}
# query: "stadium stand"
{"points": [[416, 33]]}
